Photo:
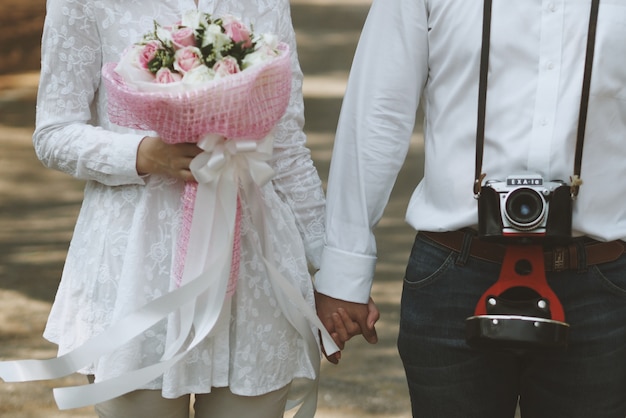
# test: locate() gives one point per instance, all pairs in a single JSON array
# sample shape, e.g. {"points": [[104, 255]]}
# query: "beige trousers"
{"points": [[220, 403]]}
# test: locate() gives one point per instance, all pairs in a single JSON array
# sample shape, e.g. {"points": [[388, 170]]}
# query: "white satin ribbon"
{"points": [[218, 170], [201, 300], [209, 165]]}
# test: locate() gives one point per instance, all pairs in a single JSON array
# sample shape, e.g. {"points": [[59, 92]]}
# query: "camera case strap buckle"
{"points": [[520, 311]]}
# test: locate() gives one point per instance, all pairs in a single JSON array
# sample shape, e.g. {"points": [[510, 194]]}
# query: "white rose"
{"points": [[192, 19], [130, 56], [262, 54], [268, 39], [213, 35], [164, 35], [251, 59], [199, 75]]}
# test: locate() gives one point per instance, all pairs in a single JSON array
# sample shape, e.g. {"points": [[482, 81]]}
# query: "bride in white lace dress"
{"points": [[121, 254]]}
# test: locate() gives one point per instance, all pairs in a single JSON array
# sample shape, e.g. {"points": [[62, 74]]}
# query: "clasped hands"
{"points": [[344, 320]]}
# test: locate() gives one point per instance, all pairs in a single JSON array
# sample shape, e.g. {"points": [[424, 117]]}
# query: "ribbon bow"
{"points": [[218, 152]]}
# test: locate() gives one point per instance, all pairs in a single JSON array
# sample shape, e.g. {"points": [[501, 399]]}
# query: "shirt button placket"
{"points": [[547, 88]]}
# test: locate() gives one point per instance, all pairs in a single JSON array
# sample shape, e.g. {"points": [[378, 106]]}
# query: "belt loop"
{"points": [[466, 247], [582, 256]]}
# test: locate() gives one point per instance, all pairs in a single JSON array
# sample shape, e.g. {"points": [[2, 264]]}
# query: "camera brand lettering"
{"points": [[524, 181]]}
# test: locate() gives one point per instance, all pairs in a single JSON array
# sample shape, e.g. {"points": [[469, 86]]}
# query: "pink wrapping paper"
{"points": [[246, 105]]}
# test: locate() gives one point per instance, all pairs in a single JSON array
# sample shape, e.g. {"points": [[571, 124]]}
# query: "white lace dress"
{"points": [[121, 254]]}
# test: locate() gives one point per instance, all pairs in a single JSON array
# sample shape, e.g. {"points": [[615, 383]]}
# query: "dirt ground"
{"points": [[38, 208]]}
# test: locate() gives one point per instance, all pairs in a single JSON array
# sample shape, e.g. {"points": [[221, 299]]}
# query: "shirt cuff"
{"points": [[346, 276], [133, 142], [119, 168]]}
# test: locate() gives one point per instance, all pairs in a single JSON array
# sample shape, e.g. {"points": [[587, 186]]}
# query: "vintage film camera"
{"points": [[520, 311], [525, 208]]}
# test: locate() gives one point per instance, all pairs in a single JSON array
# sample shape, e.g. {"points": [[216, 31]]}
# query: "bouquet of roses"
{"points": [[206, 80], [170, 80]]}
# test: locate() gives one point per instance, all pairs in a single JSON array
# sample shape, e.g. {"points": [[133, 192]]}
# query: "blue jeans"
{"points": [[448, 379]]}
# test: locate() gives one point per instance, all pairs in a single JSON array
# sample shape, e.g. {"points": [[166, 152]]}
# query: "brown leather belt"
{"points": [[557, 258]]}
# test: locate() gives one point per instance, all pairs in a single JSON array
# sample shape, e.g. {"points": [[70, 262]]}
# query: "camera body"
{"points": [[525, 208], [520, 312]]}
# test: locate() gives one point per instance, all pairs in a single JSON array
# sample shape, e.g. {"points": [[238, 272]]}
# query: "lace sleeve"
{"points": [[66, 136], [297, 180]]}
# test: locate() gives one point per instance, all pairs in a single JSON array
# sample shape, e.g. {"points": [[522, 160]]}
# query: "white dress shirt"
{"points": [[429, 50]]}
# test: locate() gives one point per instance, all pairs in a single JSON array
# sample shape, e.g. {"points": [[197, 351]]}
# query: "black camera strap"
{"points": [[482, 97]]}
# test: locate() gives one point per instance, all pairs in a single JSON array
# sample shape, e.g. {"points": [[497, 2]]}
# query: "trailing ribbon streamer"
{"points": [[115, 336], [201, 299], [300, 315], [80, 396], [218, 170]]}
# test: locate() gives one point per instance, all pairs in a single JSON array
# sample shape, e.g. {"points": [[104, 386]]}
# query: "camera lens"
{"points": [[525, 208]]}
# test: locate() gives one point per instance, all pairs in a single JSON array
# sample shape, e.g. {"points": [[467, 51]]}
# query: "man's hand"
{"points": [[157, 157], [344, 320]]}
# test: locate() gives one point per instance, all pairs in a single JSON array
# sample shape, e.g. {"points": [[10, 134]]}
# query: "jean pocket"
{"points": [[426, 264], [612, 276]]}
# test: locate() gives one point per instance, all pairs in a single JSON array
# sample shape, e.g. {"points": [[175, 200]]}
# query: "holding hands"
{"points": [[344, 320]]}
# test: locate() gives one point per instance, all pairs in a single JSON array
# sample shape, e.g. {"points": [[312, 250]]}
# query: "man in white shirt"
{"points": [[430, 51]]}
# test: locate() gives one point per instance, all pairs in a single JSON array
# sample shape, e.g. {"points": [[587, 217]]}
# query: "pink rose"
{"points": [[183, 37], [187, 59], [237, 31], [166, 76], [148, 53], [227, 65]]}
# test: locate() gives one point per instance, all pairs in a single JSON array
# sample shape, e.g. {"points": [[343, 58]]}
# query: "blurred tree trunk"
{"points": [[21, 24]]}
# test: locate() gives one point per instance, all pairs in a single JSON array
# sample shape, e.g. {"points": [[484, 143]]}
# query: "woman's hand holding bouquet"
{"points": [[155, 156]]}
